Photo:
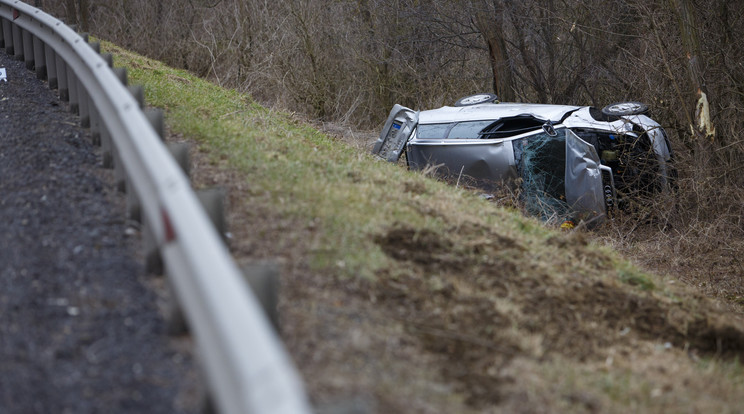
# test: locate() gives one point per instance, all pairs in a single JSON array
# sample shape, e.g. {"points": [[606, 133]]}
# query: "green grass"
{"points": [[310, 177]]}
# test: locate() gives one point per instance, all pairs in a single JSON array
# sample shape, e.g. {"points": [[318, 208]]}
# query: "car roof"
{"points": [[494, 111]]}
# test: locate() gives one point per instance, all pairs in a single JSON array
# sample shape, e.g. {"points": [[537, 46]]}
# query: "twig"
{"points": [[459, 176]]}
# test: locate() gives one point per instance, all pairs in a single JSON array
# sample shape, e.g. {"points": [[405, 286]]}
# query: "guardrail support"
{"points": [[180, 152], [62, 88], [107, 158], [174, 318], [212, 199], [51, 66], [134, 208], [121, 73], [28, 49], [138, 92], [264, 281], [95, 126], [72, 87], [120, 174], [17, 42], [39, 58], [8, 37], [109, 58], [84, 105], [153, 260], [157, 120]]}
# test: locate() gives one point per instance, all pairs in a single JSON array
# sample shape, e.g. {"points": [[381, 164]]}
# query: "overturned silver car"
{"points": [[568, 162]]}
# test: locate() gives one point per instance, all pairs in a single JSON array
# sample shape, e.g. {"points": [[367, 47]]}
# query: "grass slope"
{"points": [[415, 296]]}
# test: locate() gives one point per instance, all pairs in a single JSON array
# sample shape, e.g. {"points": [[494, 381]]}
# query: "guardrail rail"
{"points": [[246, 365]]}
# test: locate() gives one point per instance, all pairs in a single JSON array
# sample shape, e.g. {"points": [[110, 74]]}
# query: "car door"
{"points": [[398, 128], [561, 176], [584, 189]]}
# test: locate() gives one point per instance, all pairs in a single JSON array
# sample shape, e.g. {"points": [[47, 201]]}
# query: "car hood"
{"points": [[553, 113]]}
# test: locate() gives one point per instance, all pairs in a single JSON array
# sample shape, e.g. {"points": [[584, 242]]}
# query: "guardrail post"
{"points": [[8, 37], [28, 49], [40, 58], [51, 66], [138, 93], [175, 320], [17, 42], [107, 158], [84, 105], [180, 152], [263, 279], [109, 58], [134, 210], [157, 120], [95, 126], [120, 175], [95, 46], [72, 87], [259, 275], [153, 260], [121, 73], [64, 91], [212, 199]]}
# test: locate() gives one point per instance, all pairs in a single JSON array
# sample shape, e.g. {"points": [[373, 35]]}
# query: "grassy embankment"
{"points": [[485, 309]]}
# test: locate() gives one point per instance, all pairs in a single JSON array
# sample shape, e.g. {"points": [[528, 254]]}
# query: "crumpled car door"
{"points": [[584, 190], [561, 176], [398, 128]]}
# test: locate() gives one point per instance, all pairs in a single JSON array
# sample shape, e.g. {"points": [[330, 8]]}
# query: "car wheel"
{"points": [[476, 99], [625, 108]]}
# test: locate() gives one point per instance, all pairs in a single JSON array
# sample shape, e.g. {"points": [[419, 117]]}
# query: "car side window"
{"points": [[468, 130], [432, 131]]}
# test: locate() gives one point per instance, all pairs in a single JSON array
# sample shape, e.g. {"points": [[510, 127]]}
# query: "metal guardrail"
{"points": [[246, 365]]}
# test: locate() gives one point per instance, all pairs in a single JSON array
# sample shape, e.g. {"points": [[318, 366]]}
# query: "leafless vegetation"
{"points": [[348, 61]]}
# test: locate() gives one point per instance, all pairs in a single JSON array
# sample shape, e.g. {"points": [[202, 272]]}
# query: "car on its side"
{"points": [[569, 162]]}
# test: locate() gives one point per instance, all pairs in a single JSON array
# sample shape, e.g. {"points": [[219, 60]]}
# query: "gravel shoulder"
{"points": [[80, 324]]}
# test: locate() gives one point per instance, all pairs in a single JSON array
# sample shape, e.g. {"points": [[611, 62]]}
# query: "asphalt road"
{"points": [[80, 327]]}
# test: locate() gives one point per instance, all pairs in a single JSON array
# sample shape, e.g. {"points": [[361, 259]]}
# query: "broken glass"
{"points": [[541, 164]]}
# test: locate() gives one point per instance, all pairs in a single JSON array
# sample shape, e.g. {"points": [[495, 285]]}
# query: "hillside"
{"points": [[403, 294]]}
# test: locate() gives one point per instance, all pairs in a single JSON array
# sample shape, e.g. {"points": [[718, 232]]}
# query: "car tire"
{"points": [[477, 99], [625, 108]]}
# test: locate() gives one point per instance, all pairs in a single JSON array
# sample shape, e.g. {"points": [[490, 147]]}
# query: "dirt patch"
{"points": [[480, 305]]}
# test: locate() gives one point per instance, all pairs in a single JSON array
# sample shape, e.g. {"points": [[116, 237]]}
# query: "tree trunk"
{"points": [[702, 127], [84, 14], [71, 9], [489, 26]]}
